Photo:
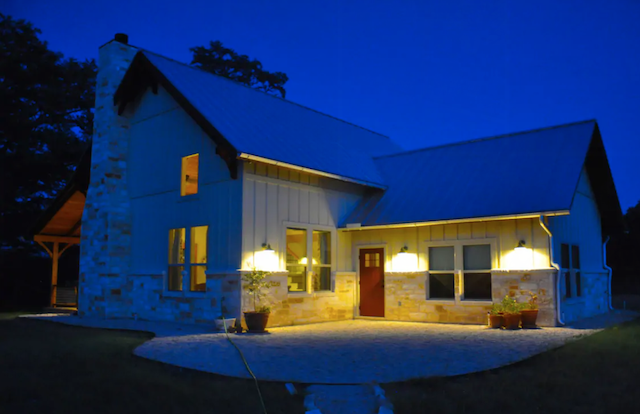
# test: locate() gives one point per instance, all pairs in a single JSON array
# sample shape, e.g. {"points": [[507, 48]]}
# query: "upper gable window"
{"points": [[189, 180]]}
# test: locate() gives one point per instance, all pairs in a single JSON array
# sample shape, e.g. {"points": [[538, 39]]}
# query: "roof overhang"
{"points": [[358, 226]]}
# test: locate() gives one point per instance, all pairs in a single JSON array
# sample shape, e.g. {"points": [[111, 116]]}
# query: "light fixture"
{"points": [[267, 247], [404, 250], [521, 245]]}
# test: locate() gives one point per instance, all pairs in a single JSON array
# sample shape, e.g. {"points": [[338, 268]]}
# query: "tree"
{"points": [[226, 62], [624, 257], [46, 119]]}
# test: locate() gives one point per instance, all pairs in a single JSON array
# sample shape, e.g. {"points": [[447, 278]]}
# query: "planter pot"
{"points": [[256, 321], [220, 325], [496, 321], [511, 320], [529, 317]]}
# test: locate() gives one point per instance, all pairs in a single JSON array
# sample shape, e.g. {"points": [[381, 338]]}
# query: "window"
{"points": [[189, 180], [197, 263], [372, 260], [441, 273], [321, 260], [477, 271], [297, 259], [570, 268], [472, 262]]}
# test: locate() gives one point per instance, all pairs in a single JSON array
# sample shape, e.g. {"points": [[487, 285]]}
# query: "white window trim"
{"points": [[458, 268], [334, 243]]}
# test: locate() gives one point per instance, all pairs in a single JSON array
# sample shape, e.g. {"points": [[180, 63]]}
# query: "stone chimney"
{"points": [[105, 247]]}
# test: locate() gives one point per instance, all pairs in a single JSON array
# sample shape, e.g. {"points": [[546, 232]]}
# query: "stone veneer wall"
{"points": [[406, 297], [298, 309], [105, 246], [593, 301]]}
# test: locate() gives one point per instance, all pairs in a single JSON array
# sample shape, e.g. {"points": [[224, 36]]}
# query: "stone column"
{"points": [[105, 247]]}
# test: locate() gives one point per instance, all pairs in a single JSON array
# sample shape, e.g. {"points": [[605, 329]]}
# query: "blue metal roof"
{"points": [[263, 125], [530, 172]]}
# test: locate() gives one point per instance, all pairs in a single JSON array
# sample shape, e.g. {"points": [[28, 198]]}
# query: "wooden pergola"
{"points": [[60, 227]]}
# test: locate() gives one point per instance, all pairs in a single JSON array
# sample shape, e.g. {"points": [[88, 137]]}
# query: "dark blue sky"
{"points": [[423, 73]]}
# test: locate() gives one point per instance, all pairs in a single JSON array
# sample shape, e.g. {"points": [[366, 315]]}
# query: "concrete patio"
{"points": [[348, 352]]}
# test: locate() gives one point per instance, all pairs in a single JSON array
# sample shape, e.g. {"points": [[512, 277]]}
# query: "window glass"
{"points": [[578, 285], [175, 278], [198, 255], [321, 278], [477, 286], [321, 247], [372, 260], [297, 259], [564, 256], [477, 257], [441, 258], [198, 278], [441, 286], [575, 257], [176, 246], [567, 284], [189, 180]]}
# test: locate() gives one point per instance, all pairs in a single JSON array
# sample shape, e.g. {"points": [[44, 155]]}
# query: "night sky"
{"points": [[422, 72]]}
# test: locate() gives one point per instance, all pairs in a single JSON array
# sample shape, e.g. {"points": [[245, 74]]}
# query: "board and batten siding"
{"points": [[161, 134], [505, 233], [273, 197]]}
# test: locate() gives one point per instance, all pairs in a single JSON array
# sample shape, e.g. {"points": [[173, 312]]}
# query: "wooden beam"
{"points": [[65, 248], [75, 227], [54, 271], [58, 239], [44, 246]]}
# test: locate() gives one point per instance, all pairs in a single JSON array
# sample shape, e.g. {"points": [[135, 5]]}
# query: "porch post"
{"points": [[54, 272]]}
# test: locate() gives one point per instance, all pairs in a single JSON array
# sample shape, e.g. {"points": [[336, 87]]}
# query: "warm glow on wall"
{"points": [[405, 261], [266, 259], [304, 261]]}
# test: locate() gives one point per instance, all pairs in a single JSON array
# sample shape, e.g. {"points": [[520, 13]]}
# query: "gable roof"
{"points": [[531, 172], [246, 122]]}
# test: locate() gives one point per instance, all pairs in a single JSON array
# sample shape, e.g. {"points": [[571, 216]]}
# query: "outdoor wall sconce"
{"points": [[267, 248], [521, 245], [404, 250]]}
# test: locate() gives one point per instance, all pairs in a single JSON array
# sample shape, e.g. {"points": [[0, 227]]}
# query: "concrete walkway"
{"points": [[348, 352]]}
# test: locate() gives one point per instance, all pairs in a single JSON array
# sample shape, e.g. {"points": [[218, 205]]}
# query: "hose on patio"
{"points": [[246, 364]]}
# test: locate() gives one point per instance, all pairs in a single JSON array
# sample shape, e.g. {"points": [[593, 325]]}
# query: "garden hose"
{"points": [[246, 364]]}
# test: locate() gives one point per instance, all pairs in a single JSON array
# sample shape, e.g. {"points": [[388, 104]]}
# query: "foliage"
{"points": [[622, 254], [226, 62], [46, 122], [496, 309], [510, 306], [532, 303], [255, 285]]}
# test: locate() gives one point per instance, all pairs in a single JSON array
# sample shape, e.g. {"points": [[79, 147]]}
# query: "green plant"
{"points": [[510, 306], [496, 309], [532, 303], [255, 285]]}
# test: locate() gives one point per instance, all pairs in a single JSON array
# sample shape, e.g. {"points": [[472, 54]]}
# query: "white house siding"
{"points": [[161, 134], [275, 197], [582, 227], [405, 287]]}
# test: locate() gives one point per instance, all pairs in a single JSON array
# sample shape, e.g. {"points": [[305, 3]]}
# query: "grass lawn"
{"points": [[598, 374], [53, 368]]}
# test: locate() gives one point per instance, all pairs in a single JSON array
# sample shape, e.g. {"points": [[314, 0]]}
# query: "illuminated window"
{"points": [[189, 180], [570, 266], [197, 255], [297, 259], [441, 273], [321, 258], [477, 271]]}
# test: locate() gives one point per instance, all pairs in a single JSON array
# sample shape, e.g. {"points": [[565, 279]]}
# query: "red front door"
{"points": [[372, 282]]}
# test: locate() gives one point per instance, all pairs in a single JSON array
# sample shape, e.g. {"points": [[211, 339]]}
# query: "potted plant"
{"points": [[511, 310], [220, 323], [255, 284], [496, 313], [530, 312]]}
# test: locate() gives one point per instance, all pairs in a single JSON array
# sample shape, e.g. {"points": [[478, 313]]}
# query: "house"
{"points": [[195, 179]]}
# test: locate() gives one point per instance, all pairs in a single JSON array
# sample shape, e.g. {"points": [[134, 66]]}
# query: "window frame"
{"points": [[187, 265], [572, 274], [183, 175], [458, 272], [309, 270]]}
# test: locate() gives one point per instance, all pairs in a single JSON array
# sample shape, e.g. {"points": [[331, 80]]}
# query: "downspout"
{"points": [[555, 265], [604, 261]]}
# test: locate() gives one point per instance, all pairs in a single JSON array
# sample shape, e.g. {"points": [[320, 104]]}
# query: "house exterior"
{"points": [[195, 179]]}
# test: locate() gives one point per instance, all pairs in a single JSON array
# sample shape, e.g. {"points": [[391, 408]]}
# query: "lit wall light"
{"points": [[266, 259], [404, 250], [304, 261], [521, 246], [405, 261], [521, 257]]}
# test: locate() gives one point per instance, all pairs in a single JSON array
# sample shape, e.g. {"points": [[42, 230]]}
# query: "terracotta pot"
{"points": [[529, 317], [511, 320], [496, 321], [256, 321]]}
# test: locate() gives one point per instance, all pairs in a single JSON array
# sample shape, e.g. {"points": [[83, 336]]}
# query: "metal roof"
{"points": [[529, 172], [263, 125]]}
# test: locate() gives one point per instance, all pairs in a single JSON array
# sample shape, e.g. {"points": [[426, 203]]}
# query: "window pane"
{"points": [[477, 257], [198, 279], [189, 181], [564, 256], [175, 277], [321, 247], [575, 257], [477, 286], [176, 246], [441, 258], [199, 244], [297, 280], [578, 285], [321, 278], [441, 286], [567, 284]]}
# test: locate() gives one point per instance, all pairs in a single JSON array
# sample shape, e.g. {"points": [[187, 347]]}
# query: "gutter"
{"points": [[555, 265], [249, 157], [604, 261]]}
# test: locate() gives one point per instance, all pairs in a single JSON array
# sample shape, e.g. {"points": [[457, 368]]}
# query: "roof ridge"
{"points": [[451, 144], [265, 93]]}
